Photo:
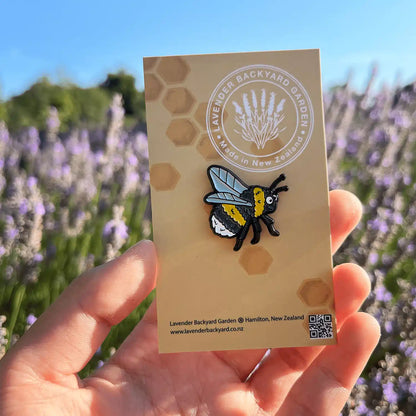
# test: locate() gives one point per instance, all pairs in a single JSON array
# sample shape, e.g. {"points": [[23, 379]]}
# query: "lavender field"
{"points": [[74, 200]]}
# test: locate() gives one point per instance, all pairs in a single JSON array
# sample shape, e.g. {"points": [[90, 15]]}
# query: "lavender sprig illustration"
{"points": [[259, 125]]}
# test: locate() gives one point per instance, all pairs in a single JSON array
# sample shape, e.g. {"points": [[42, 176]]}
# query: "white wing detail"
{"points": [[224, 181], [226, 198]]}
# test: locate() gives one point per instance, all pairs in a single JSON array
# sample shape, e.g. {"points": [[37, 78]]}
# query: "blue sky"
{"points": [[84, 40]]}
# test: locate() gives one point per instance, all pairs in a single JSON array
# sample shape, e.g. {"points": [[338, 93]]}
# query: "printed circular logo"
{"points": [[259, 118]]}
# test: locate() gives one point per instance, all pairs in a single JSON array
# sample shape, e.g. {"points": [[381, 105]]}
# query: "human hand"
{"points": [[38, 376]]}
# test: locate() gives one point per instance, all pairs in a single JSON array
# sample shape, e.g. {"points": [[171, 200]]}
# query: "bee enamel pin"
{"points": [[236, 205]]}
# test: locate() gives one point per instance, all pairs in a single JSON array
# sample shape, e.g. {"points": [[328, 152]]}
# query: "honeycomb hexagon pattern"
{"points": [[172, 69], [206, 148], [153, 87], [181, 131], [201, 115], [255, 260], [314, 292], [163, 176], [149, 63], [178, 100]]}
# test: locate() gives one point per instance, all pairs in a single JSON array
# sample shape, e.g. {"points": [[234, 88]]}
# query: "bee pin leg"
{"points": [[257, 231], [269, 221], [241, 236], [238, 245]]}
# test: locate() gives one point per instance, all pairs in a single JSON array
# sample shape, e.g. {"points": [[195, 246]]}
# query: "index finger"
{"points": [[65, 337], [345, 213]]}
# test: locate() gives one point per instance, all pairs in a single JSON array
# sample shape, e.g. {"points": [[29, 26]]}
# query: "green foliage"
{"points": [[90, 106], [76, 106], [124, 84], [3, 111]]}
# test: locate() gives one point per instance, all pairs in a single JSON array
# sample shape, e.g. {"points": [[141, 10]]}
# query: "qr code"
{"points": [[320, 326]]}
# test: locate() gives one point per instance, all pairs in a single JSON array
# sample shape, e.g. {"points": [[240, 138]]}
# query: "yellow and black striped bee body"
{"points": [[237, 206]]}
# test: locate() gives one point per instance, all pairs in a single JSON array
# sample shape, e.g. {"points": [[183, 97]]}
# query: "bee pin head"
{"points": [[237, 206], [274, 191]]}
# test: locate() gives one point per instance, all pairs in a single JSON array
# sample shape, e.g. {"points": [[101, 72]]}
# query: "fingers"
{"points": [[140, 349], [351, 287], [65, 337], [272, 382], [324, 388], [345, 212]]}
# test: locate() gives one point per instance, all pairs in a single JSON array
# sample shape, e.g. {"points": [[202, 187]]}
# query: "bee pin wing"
{"points": [[226, 198], [225, 181]]}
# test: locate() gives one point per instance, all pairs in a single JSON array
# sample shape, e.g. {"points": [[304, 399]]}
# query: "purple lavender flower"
{"points": [[397, 218], [408, 351], [375, 382], [12, 233], [37, 258], [372, 203], [146, 177], [98, 157], [31, 319], [4, 133], [388, 326], [132, 160], [31, 142], [380, 136], [341, 143], [360, 381], [374, 158], [382, 294], [373, 258], [362, 409], [389, 393], [53, 122], [117, 228], [32, 181], [66, 170], [12, 160], [141, 145], [386, 181], [378, 225], [23, 207], [401, 120], [410, 248], [352, 149], [39, 208], [407, 180], [115, 232], [375, 114]]}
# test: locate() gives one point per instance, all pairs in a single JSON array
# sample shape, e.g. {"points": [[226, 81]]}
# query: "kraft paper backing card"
{"points": [[258, 115]]}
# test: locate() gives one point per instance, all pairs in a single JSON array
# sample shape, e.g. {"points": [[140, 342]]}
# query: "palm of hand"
{"points": [[39, 373]]}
